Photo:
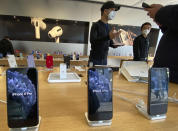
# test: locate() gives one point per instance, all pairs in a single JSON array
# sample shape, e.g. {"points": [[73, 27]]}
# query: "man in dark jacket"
{"points": [[101, 35], [167, 51], [141, 43], [6, 46]]}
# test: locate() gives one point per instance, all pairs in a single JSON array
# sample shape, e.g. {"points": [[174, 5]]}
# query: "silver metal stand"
{"points": [[173, 99], [34, 128], [142, 109], [97, 123]]}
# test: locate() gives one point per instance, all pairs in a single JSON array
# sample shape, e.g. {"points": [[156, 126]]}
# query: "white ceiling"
{"points": [[138, 3]]}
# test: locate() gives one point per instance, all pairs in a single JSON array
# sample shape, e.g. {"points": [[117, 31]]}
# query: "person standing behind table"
{"points": [[141, 43], [6, 46], [101, 35], [167, 51]]}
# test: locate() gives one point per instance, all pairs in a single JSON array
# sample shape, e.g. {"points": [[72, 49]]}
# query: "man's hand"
{"points": [[115, 46], [153, 10]]}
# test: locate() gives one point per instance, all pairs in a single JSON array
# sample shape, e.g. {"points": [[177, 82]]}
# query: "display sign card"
{"points": [[30, 61], [12, 61], [63, 72]]}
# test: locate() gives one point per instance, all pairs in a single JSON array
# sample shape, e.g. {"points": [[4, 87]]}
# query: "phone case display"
{"points": [[30, 61], [49, 61]]}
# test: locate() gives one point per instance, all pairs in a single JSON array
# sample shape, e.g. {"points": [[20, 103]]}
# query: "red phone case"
{"points": [[49, 61]]}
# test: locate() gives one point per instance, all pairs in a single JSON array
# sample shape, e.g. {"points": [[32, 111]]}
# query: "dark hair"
{"points": [[6, 37], [146, 23], [108, 5]]}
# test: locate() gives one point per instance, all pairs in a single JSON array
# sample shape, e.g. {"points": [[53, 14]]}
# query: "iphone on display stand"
{"points": [[157, 104], [100, 106], [158, 91], [22, 97]]}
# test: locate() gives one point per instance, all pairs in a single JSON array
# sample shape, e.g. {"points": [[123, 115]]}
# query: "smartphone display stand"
{"points": [[142, 109], [97, 123], [173, 99], [34, 128], [71, 77]]}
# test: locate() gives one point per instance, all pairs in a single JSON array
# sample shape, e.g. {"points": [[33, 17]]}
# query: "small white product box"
{"points": [[12, 61], [63, 71]]}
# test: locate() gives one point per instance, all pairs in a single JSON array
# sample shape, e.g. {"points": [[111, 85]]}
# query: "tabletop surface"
{"points": [[62, 106]]}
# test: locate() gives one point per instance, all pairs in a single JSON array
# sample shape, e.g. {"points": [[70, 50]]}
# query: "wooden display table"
{"points": [[57, 60], [62, 106], [42, 62]]}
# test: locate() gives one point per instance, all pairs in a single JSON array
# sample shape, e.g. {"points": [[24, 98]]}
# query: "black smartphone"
{"points": [[22, 97], [158, 91], [145, 5], [67, 59], [100, 105]]}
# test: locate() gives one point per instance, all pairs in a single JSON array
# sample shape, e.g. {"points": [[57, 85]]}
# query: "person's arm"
{"points": [[148, 46], [3, 47], [11, 49], [111, 44], [168, 16], [136, 49], [94, 37]]}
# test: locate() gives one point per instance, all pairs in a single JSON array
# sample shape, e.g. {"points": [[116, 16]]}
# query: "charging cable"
{"points": [[170, 99], [3, 101], [129, 92]]}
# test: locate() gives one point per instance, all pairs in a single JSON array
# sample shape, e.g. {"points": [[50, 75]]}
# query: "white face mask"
{"points": [[111, 15], [146, 32]]}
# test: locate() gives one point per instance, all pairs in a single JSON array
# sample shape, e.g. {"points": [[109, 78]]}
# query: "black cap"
{"points": [[110, 4]]}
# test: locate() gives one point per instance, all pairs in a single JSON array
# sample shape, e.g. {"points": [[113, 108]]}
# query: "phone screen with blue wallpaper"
{"points": [[100, 93], [22, 97]]}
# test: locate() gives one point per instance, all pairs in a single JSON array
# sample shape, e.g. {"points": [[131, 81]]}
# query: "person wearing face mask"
{"points": [[102, 35], [141, 43]]}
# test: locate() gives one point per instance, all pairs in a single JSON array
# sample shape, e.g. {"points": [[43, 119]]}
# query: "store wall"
{"points": [[69, 10]]}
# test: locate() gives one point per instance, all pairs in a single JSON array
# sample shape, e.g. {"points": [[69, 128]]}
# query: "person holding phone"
{"points": [[141, 43], [166, 54], [101, 35]]}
